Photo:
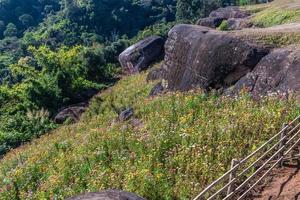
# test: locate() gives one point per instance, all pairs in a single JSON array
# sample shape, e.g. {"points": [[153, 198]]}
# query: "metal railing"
{"points": [[246, 174]]}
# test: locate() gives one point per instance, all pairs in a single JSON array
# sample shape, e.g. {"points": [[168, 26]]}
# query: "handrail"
{"points": [[287, 135]]}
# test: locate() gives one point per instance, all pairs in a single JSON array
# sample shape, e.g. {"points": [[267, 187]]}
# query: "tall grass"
{"points": [[183, 142]]}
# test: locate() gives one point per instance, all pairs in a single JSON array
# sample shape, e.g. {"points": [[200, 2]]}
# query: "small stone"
{"points": [[107, 195], [126, 114], [157, 89]]}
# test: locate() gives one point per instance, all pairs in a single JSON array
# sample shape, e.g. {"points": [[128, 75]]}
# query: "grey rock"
{"points": [[278, 73], [238, 24], [157, 89], [141, 55], [72, 113], [212, 22], [126, 114], [230, 12], [200, 57], [107, 195]]}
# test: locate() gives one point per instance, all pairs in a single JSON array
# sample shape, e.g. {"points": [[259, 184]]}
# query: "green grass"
{"points": [[276, 16], [186, 140], [276, 13], [223, 26]]}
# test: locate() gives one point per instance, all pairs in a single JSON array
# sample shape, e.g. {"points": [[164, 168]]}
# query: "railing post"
{"points": [[232, 175], [282, 143]]}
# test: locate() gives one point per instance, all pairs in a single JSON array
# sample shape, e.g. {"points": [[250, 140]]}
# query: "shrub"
{"points": [[223, 26]]}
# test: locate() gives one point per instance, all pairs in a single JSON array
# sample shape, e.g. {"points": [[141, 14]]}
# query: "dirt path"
{"points": [[285, 184]]}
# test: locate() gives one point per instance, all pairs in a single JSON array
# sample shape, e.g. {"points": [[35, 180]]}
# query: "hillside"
{"points": [[57, 53], [174, 144], [159, 155]]}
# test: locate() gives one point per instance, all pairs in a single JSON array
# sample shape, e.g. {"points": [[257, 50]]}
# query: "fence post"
{"points": [[232, 175], [281, 144]]}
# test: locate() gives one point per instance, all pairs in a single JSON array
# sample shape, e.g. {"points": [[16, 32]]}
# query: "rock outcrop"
{"points": [[71, 113], [200, 57], [277, 73], [238, 24], [107, 195], [139, 56], [236, 17], [230, 12], [212, 22]]}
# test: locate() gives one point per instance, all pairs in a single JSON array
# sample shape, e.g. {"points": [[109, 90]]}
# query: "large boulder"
{"points": [[238, 23], [108, 195], [200, 57], [230, 12], [277, 73], [139, 56], [71, 113], [237, 18], [212, 22]]}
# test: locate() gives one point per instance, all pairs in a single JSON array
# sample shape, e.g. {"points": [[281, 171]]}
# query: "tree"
{"points": [[27, 20], [2, 26], [184, 11], [11, 30], [190, 10]]}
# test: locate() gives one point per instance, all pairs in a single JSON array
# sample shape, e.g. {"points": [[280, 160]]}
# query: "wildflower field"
{"points": [[182, 142]]}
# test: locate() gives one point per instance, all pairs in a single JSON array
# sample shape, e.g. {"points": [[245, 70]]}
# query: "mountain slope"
{"points": [[173, 147]]}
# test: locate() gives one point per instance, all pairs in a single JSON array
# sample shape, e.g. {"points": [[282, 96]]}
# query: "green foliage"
{"points": [[53, 52], [184, 141], [24, 13], [22, 128], [188, 10], [49, 80], [223, 26], [160, 29], [11, 30], [27, 20]]}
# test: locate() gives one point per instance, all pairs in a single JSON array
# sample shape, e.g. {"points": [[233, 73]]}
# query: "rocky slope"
{"points": [[277, 73], [199, 57], [256, 59]]}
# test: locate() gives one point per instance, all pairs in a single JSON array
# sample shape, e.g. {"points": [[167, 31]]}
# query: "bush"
{"points": [[49, 80], [223, 26], [21, 128]]}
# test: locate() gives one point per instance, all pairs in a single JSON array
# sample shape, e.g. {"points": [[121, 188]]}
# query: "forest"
{"points": [[53, 52]]}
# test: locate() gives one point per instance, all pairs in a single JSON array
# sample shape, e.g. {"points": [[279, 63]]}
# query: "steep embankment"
{"points": [[171, 148]]}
